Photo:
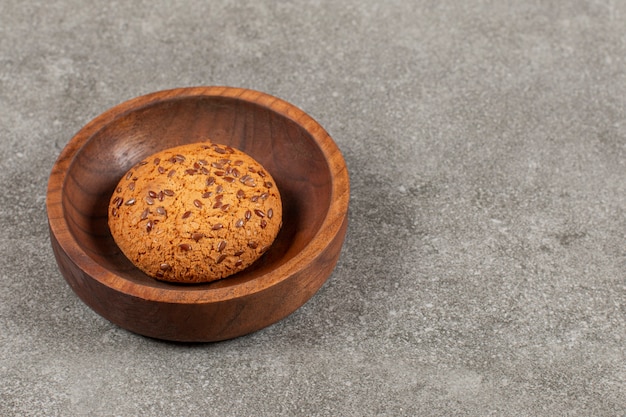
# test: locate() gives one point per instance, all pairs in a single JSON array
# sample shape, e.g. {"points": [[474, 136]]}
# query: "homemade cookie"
{"points": [[195, 213]]}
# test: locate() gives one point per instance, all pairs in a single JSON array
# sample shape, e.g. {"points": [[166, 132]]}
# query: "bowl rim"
{"points": [[329, 228]]}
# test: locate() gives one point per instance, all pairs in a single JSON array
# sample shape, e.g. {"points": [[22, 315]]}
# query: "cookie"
{"points": [[195, 213]]}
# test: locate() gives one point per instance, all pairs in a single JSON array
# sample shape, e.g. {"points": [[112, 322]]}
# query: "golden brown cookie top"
{"points": [[195, 213]]}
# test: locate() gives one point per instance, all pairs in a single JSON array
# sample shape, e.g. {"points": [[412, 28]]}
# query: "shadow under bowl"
{"points": [[306, 164]]}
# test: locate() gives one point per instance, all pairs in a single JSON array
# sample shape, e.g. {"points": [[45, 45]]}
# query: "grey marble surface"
{"points": [[484, 269]]}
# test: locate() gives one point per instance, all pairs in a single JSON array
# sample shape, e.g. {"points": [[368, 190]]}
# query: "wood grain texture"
{"points": [[310, 173]]}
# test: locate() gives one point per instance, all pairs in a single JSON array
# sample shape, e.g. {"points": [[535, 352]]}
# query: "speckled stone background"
{"points": [[484, 270]]}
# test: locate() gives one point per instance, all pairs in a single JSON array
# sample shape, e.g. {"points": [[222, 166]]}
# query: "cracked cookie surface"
{"points": [[195, 213]]}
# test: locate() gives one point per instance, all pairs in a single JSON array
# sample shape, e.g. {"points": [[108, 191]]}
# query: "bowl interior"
{"points": [[282, 146]]}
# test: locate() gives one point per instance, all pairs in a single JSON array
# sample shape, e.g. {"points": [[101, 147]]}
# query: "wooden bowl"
{"points": [[306, 164]]}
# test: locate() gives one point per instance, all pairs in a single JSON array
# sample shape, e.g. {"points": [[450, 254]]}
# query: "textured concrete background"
{"points": [[484, 271]]}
